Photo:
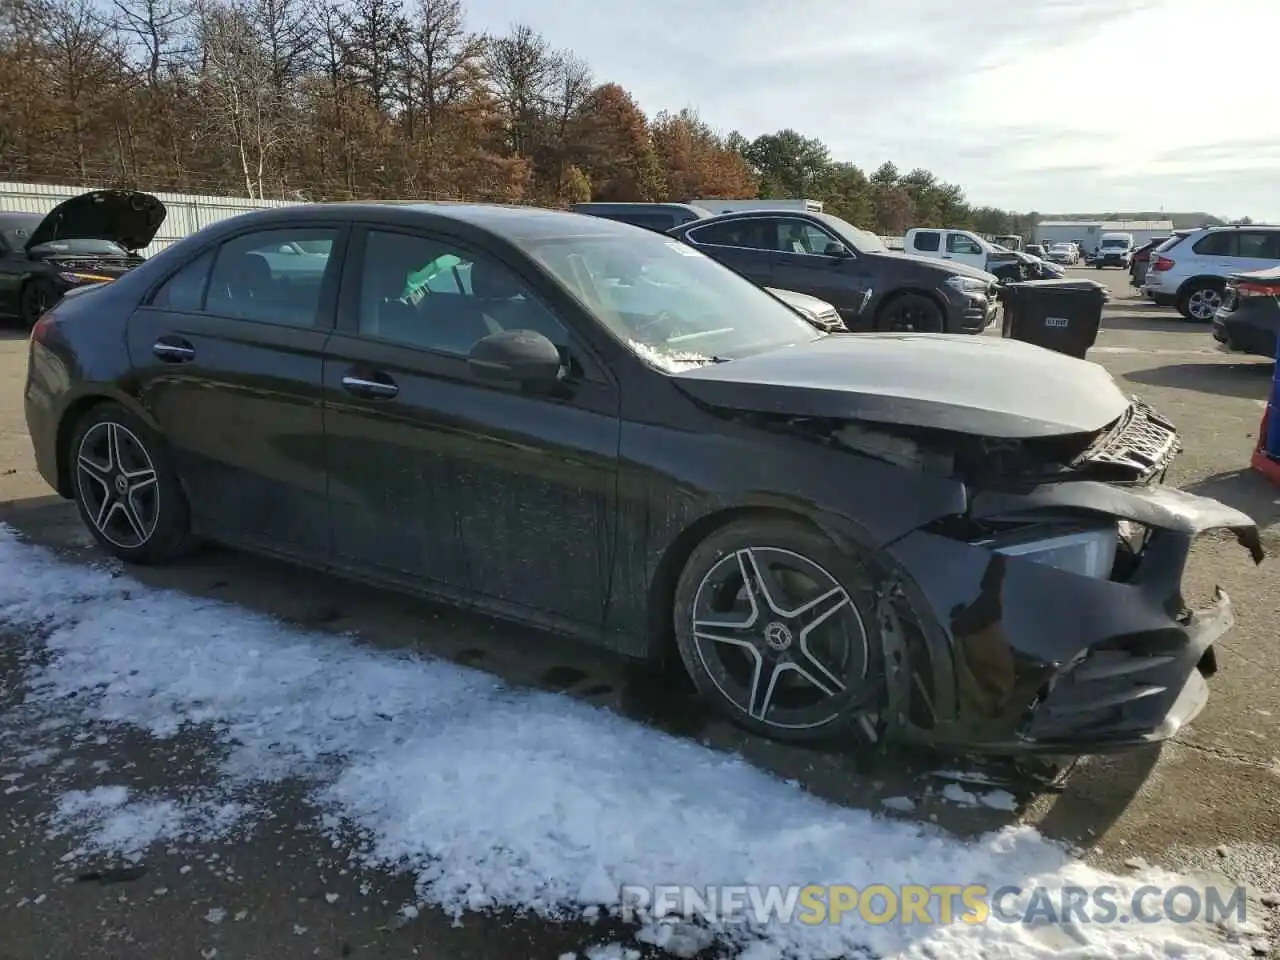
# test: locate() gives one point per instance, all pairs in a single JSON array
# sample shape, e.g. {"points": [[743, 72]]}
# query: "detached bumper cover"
{"points": [[1009, 655]]}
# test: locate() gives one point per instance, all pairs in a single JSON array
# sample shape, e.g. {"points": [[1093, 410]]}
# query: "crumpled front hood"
{"points": [[976, 385], [126, 217]]}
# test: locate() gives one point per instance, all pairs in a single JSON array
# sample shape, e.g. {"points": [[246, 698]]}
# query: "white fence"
{"points": [[187, 213]]}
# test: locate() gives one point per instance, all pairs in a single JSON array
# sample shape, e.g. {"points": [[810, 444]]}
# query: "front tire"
{"points": [[776, 627], [125, 487], [1201, 301], [911, 312], [36, 297]]}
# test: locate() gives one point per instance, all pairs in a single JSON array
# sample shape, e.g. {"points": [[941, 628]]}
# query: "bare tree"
{"points": [[288, 34], [522, 69], [152, 31], [442, 57], [376, 31], [238, 85], [332, 30], [83, 60]]}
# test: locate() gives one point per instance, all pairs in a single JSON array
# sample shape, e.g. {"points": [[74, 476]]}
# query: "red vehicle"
{"points": [[1141, 259]]}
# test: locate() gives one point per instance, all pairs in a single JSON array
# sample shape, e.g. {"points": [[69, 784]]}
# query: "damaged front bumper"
{"points": [[1006, 653]]}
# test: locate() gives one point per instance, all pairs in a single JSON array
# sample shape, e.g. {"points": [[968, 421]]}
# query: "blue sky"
{"points": [[1053, 105]]}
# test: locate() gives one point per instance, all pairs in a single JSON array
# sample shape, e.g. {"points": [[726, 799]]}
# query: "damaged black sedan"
{"points": [[588, 427]]}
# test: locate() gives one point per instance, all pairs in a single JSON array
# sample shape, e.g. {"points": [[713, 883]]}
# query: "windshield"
{"points": [[856, 237], [1112, 243], [16, 229], [671, 305]]}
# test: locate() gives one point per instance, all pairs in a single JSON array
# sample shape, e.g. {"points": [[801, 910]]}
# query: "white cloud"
{"points": [[1055, 104]]}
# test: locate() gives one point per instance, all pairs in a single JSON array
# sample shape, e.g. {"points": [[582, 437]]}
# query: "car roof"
{"points": [[19, 216], [1239, 226], [627, 206], [514, 224], [510, 221], [756, 214]]}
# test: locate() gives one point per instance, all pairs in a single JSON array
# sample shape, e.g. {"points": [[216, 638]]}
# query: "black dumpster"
{"points": [[1060, 315]]}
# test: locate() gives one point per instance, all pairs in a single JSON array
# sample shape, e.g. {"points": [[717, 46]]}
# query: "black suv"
{"points": [[659, 217], [873, 287]]}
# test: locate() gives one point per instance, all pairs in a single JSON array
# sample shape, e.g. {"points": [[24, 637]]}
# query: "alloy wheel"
{"points": [[118, 485], [780, 638], [1204, 303]]}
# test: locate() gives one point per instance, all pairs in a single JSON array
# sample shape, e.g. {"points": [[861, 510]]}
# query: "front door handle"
{"points": [[382, 389], [173, 350]]}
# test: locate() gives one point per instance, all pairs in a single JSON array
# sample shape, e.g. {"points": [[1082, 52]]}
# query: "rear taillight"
{"points": [[40, 332], [1160, 264], [1253, 288]]}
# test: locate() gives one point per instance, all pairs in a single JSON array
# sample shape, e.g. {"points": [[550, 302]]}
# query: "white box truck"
{"points": [[737, 206]]}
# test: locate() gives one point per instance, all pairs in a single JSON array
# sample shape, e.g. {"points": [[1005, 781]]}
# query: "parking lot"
{"points": [[1203, 805]]}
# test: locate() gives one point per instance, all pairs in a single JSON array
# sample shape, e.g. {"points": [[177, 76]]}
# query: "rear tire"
{"points": [[1201, 300], [911, 312], [776, 627], [125, 487]]}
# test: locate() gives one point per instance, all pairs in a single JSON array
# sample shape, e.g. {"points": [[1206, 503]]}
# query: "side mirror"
{"points": [[525, 357], [838, 250]]}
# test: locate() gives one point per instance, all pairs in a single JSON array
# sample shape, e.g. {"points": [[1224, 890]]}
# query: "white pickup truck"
{"points": [[960, 246]]}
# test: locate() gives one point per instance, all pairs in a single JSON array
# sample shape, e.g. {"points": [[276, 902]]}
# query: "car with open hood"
{"points": [[592, 428], [88, 239]]}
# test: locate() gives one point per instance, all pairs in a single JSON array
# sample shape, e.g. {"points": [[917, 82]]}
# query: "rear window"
{"points": [[1169, 244]]}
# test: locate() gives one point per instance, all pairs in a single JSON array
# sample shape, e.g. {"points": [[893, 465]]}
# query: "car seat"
{"points": [[246, 282]]}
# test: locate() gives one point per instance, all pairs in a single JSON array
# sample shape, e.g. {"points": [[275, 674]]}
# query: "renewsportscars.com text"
{"points": [[933, 904]]}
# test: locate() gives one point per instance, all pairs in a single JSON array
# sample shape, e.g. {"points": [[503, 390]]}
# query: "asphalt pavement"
{"points": [[1204, 803]]}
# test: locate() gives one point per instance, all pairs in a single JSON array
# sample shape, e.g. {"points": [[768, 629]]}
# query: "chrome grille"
{"points": [[1142, 443], [830, 319]]}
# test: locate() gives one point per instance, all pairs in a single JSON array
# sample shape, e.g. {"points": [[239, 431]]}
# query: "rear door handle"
{"points": [[379, 389], [173, 350]]}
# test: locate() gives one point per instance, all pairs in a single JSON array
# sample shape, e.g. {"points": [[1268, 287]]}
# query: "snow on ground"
{"points": [[491, 796]]}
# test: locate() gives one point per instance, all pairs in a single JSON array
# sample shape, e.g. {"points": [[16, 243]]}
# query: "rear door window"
{"points": [[184, 291], [1219, 244], [757, 233], [272, 276], [928, 240]]}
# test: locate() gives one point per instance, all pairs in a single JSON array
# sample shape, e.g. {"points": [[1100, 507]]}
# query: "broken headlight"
{"points": [[1089, 553]]}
